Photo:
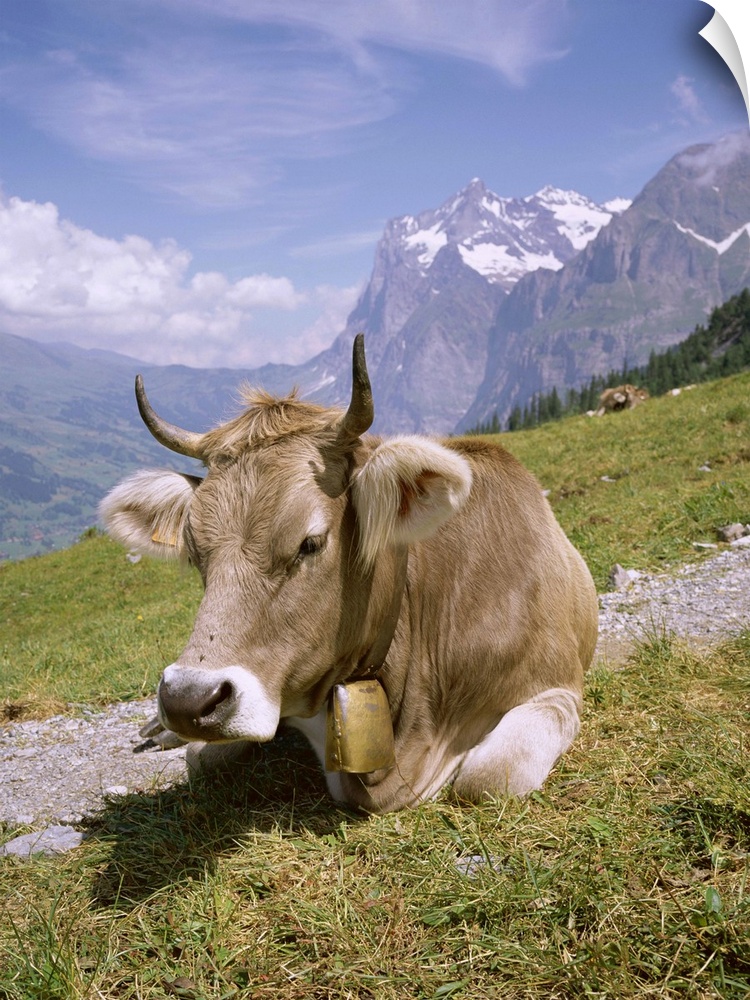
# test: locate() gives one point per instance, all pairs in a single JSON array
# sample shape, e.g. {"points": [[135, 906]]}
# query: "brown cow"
{"points": [[621, 397], [328, 554]]}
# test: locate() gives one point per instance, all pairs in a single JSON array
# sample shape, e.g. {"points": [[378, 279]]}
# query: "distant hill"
{"points": [[717, 349]]}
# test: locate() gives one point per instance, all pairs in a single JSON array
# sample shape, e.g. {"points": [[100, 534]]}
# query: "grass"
{"points": [[629, 488], [627, 877], [85, 626]]}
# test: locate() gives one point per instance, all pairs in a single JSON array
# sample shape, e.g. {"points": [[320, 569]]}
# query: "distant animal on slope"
{"points": [[436, 568], [621, 397]]}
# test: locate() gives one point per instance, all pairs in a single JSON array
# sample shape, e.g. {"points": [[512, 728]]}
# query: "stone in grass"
{"points": [[54, 840]]}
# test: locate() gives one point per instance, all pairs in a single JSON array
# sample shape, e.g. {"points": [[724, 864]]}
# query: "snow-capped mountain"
{"points": [[502, 238], [471, 308], [642, 284], [437, 281]]}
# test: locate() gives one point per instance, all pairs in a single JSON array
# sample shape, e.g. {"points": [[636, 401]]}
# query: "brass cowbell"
{"points": [[359, 736]]}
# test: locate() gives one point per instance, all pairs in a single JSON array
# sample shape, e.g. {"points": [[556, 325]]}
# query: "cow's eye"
{"points": [[311, 545]]}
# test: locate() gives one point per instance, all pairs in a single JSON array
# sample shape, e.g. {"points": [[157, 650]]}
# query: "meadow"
{"points": [[627, 876]]}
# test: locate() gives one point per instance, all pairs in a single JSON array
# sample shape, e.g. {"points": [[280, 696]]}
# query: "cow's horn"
{"points": [[172, 437], [361, 412]]}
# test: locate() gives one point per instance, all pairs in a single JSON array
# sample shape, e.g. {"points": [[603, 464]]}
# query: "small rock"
{"points": [[731, 532], [705, 545], [115, 791], [607, 479], [471, 865], [53, 840], [741, 543], [704, 468], [133, 557], [619, 578]]}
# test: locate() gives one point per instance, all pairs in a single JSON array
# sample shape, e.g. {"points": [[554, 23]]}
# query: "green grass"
{"points": [[86, 626], [628, 876], [660, 503]]}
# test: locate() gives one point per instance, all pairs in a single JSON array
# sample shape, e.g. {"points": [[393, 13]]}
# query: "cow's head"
{"points": [[299, 530]]}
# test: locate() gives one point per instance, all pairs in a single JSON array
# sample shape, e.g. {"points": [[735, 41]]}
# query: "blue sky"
{"points": [[204, 181]]}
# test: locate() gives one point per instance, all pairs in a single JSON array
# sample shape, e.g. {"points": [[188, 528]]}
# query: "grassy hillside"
{"points": [[86, 625], [661, 499], [627, 877]]}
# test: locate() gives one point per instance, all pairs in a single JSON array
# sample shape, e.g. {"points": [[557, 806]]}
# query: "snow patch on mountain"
{"points": [[723, 245], [579, 219], [491, 260]]}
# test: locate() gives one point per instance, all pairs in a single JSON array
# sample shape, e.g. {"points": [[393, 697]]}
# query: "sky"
{"points": [[204, 182]]}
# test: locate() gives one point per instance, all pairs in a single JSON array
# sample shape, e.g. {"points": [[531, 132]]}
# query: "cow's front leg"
{"points": [[518, 754], [315, 730]]}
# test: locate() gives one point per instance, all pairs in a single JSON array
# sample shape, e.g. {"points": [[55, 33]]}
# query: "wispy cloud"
{"points": [[211, 98], [507, 36], [337, 246], [688, 102]]}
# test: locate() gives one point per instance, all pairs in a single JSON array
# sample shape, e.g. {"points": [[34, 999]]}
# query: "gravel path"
{"points": [[62, 769]]}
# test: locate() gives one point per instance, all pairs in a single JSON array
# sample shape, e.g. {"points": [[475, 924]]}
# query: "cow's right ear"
{"points": [[146, 512]]}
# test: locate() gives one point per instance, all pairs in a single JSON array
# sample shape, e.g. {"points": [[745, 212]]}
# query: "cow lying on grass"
{"points": [[620, 397], [328, 555]]}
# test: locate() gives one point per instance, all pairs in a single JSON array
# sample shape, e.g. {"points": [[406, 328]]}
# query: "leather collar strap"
{"points": [[374, 660]]}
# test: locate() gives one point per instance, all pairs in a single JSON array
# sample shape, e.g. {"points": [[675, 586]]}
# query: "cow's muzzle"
{"points": [[216, 705]]}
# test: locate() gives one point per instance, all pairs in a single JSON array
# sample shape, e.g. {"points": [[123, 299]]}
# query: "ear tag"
{"points": [[359, 736], [160, 539]]}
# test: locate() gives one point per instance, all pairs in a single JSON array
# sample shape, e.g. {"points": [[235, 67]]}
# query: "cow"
{"points": [[434, 568], [621, 397]]}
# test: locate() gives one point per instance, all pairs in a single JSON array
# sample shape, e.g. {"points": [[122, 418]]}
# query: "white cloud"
{"points": [[704, 163], [62, 282], [334, 304], [509, 37]]}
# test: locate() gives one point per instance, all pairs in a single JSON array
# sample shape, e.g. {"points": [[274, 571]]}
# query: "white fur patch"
{"points": [[516, 757], [315, 730], [146, 512], [407, 488]]}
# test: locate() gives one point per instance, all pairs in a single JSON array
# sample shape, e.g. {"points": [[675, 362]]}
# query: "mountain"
{"points": [[643, 282], [437, 282]]}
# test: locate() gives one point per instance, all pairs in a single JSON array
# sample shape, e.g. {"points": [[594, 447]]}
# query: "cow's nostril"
{"points": [[224, 692]]}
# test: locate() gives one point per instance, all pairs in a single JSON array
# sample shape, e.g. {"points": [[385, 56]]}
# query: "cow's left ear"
{"points": [[406, 489]]}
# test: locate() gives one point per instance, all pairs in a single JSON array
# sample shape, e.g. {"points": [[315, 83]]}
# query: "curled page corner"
{"points": [[728, 32]]}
